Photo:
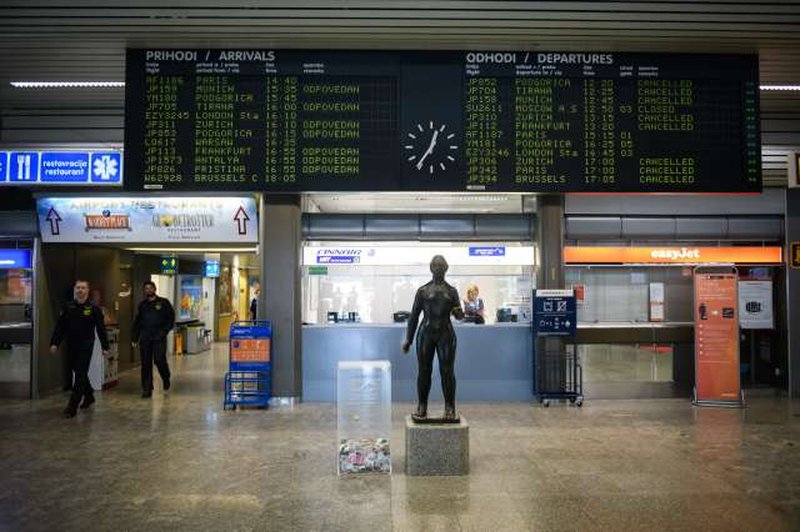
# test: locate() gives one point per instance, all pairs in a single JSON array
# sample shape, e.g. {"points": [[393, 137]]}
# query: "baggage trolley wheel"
{"points": [[546, 403], [579, 402]]}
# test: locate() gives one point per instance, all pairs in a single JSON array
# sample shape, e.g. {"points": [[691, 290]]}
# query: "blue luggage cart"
{"points": [[557, 372], [249, 377]]}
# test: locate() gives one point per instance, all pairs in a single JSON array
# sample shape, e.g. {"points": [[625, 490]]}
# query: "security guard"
{"points": [[77, 324], [153, 321]]}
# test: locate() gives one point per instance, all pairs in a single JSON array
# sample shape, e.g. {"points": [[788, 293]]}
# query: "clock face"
{"points": [[430, 148]]}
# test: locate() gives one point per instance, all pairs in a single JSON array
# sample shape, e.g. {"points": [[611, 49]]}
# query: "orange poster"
{"points": [[250, 350], [716, 338]]}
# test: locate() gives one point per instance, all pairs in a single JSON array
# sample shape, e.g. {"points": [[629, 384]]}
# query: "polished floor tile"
{"points": [[179, 462]]}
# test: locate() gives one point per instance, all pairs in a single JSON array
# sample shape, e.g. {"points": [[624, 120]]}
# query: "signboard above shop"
{"points": [[306, 120], [15, 259], [673, 255], [38, 168], [416, 255], [148, 219]]}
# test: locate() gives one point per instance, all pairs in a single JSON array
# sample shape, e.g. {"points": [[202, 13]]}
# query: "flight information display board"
{"points": [[302, 120]]}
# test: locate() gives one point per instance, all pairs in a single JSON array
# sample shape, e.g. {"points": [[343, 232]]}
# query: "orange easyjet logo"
{"points": [[672, 255]]}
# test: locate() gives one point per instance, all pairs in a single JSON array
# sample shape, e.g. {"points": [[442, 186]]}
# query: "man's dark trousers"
{"points": [[154, 350], [80, 357]]}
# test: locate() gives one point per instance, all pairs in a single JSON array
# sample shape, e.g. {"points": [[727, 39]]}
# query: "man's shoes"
{"points": [[69, 412], [88, 401], [147, 394]]}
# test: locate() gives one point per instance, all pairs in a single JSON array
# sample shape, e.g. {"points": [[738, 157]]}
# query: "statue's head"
{"points": [[438, 267]]}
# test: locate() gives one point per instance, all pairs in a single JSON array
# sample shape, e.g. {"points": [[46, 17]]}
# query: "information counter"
{"points": [[493, 362]]}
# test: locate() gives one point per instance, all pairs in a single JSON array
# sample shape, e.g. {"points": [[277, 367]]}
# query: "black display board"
{"points": [[300, 120]]}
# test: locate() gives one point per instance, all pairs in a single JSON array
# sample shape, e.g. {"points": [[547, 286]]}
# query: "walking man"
{"points": [[154, 319], [77, 324]]}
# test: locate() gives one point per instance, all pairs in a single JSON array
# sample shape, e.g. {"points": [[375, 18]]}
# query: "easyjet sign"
{"points": [[672, 255]]}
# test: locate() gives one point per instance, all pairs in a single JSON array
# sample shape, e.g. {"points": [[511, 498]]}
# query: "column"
{"points": [[550, 241], [792, 287], [550, 272], [280, 298]]}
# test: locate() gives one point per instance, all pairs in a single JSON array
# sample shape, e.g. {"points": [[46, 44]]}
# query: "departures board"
{"points": [[304, 120]]}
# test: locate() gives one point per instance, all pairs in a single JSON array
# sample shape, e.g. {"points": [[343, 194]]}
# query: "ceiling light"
{"points": [[174, 249], [780, 87], [67, 84]]}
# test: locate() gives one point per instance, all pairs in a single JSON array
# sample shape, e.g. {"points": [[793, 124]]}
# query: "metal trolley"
{"points": [[248, 381], [558, 373]]}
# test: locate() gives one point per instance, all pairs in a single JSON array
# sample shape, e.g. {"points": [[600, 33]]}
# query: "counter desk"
{"points": [[493, 362]]}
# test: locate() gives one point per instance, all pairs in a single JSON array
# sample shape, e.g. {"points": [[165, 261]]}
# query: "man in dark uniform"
{"points": [[77, 324], [154, 319]]}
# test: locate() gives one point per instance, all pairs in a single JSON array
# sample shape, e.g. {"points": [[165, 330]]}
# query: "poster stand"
{"points": [[716, 338]]}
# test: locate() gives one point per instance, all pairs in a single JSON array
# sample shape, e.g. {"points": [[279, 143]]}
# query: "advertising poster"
{"points": [[225, 291], [716, 342], [191, 297], [755, 305], [141, 219], [656, 301]]}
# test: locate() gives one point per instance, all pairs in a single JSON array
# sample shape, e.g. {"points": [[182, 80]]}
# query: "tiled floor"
{"points": [[182, 463]]}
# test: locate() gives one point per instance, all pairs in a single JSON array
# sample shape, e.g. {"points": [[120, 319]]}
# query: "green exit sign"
{"points": [[169, 265], [317, 270]]}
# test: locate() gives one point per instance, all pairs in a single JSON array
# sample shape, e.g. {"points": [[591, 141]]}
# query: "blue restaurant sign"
{"points": [[61, 167]]}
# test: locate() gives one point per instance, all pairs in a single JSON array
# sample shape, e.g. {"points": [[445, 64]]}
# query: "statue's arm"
{"points": [[413, 320], [456, 309]]}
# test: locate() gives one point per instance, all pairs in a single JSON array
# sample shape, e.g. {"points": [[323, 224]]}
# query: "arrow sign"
{"points": [[54, 219], [241, 219]]}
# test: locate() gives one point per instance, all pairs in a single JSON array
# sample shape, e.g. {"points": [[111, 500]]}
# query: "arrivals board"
{"points": [[302, 120]]}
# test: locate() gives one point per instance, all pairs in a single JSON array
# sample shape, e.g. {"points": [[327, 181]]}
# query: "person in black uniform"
{"points": [[438, 300], [154, 319], [77, 324]]}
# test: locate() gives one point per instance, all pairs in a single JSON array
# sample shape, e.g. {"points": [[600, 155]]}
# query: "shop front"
{"points": [[357, 298], [636, 315], [189, 246], [17, 323]]}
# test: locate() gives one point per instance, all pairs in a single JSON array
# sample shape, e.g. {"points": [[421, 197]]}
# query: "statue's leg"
{"points": [[425, 351], [447, 362]]}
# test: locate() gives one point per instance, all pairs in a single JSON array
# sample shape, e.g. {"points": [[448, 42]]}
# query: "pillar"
{"points": [[280, 299]]}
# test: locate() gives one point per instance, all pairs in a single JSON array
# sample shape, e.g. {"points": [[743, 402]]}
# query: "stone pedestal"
{"points": [[437, 449]]}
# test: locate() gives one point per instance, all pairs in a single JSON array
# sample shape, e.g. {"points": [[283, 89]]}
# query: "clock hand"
{"points": [[428, 151]]}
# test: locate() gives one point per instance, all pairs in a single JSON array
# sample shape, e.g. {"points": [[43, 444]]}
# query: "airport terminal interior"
{"points": [[582, 218]]}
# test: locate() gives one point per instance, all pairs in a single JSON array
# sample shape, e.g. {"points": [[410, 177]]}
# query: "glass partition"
{"points": [[384, 293]]}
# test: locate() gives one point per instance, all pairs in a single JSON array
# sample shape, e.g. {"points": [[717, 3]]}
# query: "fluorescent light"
{"points": [[780, 87], [67, 84], [174, 249]]}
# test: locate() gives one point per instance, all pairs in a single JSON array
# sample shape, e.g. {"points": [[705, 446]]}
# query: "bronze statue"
{"points": [[438, 300]]}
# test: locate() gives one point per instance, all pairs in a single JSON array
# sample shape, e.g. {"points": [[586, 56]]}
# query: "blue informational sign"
{"points": [[106, 167], [169, 265], [64, 167], [15, 258], [61, 167], [212, 268], [487, 251], [23, 167], [554, 313]]}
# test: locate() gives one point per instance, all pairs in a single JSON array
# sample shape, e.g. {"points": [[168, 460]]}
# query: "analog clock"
{"points": [[430, 148]]}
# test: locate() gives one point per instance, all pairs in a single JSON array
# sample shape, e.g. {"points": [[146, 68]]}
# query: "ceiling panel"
{"points": [[59, 40]]}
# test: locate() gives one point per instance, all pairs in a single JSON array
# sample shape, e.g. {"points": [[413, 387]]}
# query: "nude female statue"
{"points": [[438, 300]]}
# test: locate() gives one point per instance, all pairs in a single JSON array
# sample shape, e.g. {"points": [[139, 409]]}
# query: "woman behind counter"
{"points": [[473, 306]]}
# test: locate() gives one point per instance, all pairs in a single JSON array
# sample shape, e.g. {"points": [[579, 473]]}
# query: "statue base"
{"points": [[439, 449], [435, 420]]}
